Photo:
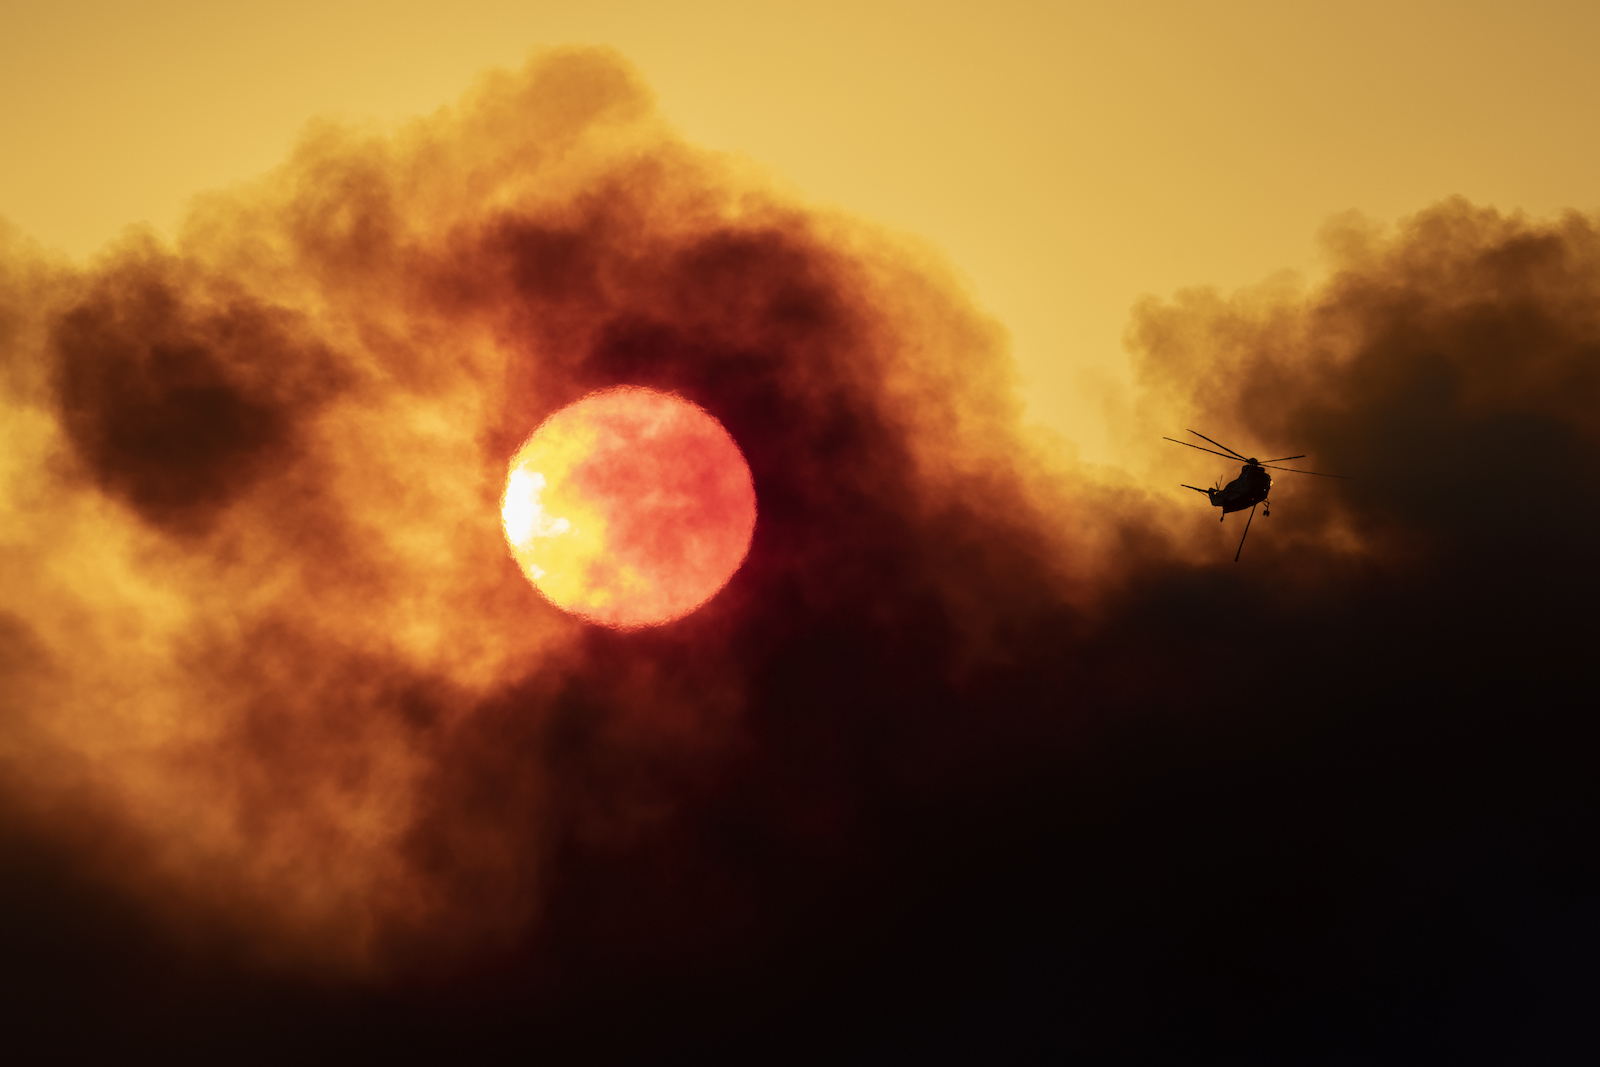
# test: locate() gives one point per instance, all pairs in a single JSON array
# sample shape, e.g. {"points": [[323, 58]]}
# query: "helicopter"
{"points": [[1249, 489]]}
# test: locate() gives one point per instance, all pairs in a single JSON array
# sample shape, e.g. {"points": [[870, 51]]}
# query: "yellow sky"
{"points": [[1066, 157]]}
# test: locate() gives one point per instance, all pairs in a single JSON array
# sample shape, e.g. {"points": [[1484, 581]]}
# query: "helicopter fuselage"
{"points": [[1245, 491]]}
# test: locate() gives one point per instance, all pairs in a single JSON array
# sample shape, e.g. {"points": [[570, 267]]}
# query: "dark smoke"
{"points": [[977, 759]]}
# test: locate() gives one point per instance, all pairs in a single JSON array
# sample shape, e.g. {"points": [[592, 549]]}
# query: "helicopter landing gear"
{"points": [[1266, 512]]}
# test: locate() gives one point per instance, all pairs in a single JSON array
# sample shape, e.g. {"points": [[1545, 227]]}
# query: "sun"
{"points": [[629, 507]]}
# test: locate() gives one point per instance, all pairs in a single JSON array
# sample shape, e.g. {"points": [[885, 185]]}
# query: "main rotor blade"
{"points": [[1224, 455], [1319, 474], [1280, 459], [1213, 451], [1219, 444]]}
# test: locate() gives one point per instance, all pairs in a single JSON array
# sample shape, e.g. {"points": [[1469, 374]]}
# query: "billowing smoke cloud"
{"points": [[975, 744]]}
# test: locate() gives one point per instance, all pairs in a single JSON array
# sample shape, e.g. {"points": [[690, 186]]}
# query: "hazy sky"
{"points": [[980, 749], [1067, 157]]}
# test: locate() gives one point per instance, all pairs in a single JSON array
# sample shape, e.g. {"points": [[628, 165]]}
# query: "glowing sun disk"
{"points": [[629, 507]]}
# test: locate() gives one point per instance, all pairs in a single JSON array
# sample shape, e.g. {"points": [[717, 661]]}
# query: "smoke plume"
{"points": [[978, 748]]}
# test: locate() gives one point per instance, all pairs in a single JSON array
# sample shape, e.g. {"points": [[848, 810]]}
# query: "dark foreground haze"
{"points": [[980, 758]]}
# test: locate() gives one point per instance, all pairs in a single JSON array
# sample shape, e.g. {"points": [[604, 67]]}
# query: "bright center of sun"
{"points": [[629, 507]]}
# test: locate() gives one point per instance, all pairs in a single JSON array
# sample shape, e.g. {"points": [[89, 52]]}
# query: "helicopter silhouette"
{"points": [[1247, 490]]}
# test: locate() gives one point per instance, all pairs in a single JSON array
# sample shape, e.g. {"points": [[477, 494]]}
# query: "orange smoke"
{"points": [[254, 483], [270, 673]]}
